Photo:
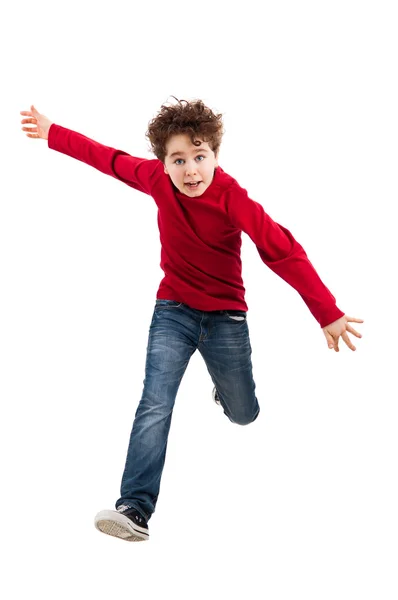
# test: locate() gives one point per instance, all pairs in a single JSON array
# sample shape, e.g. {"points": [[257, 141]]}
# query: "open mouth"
{"points": [[193, 185]]}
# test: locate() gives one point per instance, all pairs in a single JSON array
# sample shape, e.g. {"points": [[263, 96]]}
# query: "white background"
{"points": [[301, 503]]}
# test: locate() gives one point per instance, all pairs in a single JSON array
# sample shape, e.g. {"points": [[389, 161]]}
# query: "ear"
{"points": [[165, 170]]}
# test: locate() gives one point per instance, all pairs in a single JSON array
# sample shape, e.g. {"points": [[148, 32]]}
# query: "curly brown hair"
{"points": [[193, 118]]}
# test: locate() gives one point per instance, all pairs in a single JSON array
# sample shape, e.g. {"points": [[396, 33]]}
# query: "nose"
{"points": [[190, 167]]}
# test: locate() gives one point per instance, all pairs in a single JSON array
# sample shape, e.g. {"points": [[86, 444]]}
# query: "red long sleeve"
{"points": [[282, 254], [138, 173]]}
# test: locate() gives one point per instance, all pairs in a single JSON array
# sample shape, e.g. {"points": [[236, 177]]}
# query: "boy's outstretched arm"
{"points": [[287, 258], [138, 173]]}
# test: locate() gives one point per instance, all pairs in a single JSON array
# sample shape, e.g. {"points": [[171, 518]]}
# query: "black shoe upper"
{"points": [[136, 517]]}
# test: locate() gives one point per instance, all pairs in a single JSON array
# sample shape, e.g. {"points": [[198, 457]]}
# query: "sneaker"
{"points": [[125, 523], [215, 397]]}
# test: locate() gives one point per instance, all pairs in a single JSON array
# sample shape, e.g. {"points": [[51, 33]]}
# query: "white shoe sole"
{"points": [[114, 523]]}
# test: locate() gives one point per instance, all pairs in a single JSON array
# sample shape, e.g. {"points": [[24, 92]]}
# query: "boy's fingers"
{"points": [[348, 341], [353, 331], [334, 344]]}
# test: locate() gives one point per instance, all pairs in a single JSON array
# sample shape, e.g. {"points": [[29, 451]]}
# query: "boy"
{"points": [[200, 301]]}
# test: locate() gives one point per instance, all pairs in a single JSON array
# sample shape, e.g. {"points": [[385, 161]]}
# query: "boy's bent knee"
{"points": [[245, 420]]}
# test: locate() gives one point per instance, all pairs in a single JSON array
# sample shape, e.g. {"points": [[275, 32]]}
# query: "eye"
{"points": [[181, 159]]}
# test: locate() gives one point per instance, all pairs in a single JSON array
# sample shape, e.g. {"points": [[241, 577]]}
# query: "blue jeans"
{"points": [[176, 331]]}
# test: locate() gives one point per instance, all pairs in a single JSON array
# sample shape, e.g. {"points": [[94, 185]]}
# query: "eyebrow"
{"points": [[179, 153]]}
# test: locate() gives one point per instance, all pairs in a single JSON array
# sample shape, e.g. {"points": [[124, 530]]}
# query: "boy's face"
{"points": [[185, 163]]}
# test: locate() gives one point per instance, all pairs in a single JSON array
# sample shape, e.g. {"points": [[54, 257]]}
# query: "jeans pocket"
{"points": [[236, 315], [161, 304]]}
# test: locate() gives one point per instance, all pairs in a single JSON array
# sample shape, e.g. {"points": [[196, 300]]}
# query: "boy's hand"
{"points": [[339, 328], [41, 124]]}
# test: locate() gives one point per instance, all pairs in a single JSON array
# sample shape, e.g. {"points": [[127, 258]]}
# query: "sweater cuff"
{"points": [[52, 136], [330, 316]]}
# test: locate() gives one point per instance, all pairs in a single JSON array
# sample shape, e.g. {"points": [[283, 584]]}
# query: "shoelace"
{"points": [[123, 509]]}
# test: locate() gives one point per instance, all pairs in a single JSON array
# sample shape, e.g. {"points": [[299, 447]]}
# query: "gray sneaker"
{"points": [[215, 397], [125, 523]]}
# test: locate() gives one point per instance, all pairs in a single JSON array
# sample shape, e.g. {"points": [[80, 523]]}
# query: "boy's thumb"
{"points": [[330, 340], [32, 108]]}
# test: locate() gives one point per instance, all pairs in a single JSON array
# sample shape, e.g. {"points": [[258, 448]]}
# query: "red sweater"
{"points": [[201, 237]]}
